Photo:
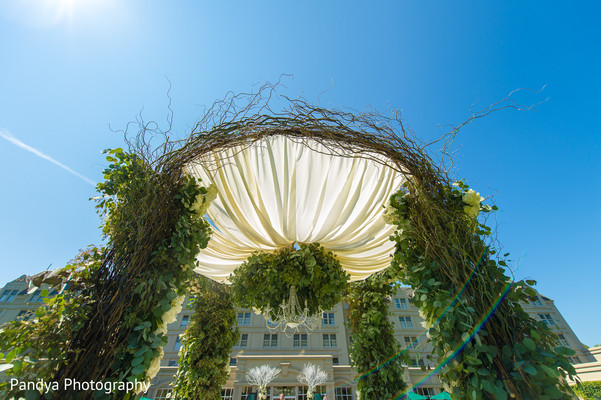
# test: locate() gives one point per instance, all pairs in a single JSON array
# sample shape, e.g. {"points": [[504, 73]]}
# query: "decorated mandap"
{"points": [[287, 213]]}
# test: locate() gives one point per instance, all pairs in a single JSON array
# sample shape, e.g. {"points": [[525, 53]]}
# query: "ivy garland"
{"points": [[109, 324], [207, 343], [374, 346], [33, 349], [162, 287], [264, 280], [487, 344], [589, 390]]}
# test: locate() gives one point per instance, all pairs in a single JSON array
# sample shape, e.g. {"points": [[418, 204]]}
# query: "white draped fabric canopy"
{"points": [[281, 191]]}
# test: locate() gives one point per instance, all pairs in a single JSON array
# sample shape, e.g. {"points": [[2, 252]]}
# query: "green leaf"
{"points": [[501, 394], [534, 334], [141, 351], [529, 344], [553, 373], [137, 361], [489, 387], [138, 370], [44, 293], [11, 354], [32, 395], [530, 369]]}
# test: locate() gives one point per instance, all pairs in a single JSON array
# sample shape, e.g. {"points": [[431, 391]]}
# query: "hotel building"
{"points": [[327, 346]]}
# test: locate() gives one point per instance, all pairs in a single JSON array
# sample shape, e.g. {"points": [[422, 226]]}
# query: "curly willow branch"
{"points": [[239, 121]]}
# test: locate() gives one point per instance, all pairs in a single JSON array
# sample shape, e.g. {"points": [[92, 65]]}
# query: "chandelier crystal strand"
{"points": [[291, 318]]}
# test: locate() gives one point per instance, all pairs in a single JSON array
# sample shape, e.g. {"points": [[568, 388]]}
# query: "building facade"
{"points": [[328, 346]]}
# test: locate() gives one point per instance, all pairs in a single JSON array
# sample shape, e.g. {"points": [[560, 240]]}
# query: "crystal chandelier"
{"points": [[291, 318]]}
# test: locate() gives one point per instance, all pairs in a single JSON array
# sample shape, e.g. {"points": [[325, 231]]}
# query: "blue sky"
{"points": [[71, 72]]}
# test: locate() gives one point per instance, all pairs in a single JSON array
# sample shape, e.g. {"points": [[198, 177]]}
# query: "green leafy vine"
{"points": [[374, 351], [487, 344], [33, 349], [590, 390], [165, 283], [108, 323], [207, 343]]}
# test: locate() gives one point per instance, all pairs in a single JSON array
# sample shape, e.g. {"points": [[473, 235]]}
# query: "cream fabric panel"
{"points": [[279, 191]]}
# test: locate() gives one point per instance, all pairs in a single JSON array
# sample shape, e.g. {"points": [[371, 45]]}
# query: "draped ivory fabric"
{"points": [[279, 191]]}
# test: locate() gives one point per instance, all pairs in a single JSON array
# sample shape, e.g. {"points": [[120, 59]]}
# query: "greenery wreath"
{"points": [[264, 280]]}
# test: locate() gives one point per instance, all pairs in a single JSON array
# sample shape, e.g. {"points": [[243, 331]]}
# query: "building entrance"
{"points": [[288, 391]]}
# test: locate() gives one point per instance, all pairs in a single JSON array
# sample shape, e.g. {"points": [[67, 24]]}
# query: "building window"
{"points": [[335, 361], [8, 295], [574, 360], [562, 340], [424, 391], [344, 393], [24, 315], [162, 394], [300, 340], [327, 318], [246, 391], [185, 320], [536, 301], [243, 340], [177, 345], [301, 391], [410, 342], [546, 318], [401, 303], [172, 363], [227, 394], [270, 340], [413, 362], [233, 361], [329, 340], [406, 322], [243, 318], [36, 297]]}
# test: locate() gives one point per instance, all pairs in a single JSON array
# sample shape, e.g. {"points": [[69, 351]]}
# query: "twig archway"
{"points": [[487, 345]]}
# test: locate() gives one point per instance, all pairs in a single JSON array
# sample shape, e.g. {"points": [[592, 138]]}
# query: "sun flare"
{"points": [[44, 14]]}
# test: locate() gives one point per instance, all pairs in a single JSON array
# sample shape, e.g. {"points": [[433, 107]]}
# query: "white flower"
{"points": [[171, 315], [153, 369], [471, 211], [472, 198], [203, 201], [161, 329], [176, 307], [391, 216]]}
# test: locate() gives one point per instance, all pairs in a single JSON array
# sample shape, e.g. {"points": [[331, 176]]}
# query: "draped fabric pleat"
{"points": [[278, 191]]}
